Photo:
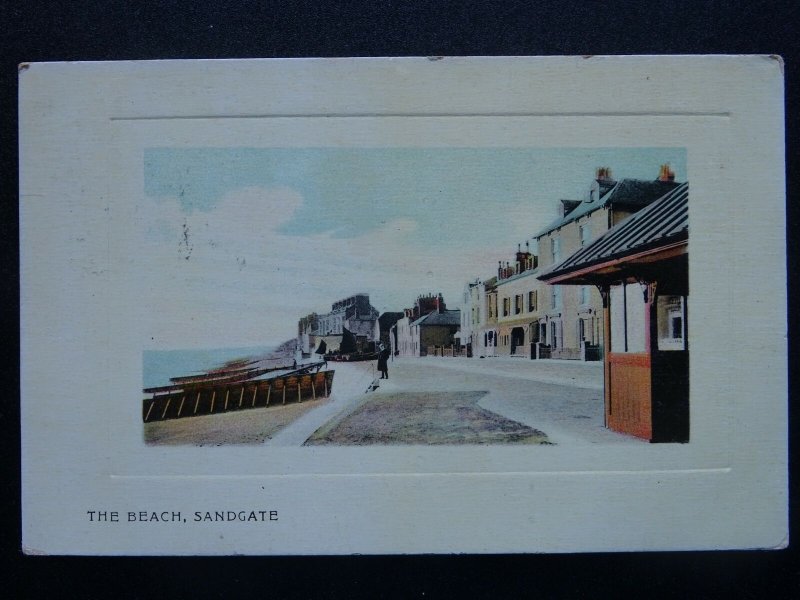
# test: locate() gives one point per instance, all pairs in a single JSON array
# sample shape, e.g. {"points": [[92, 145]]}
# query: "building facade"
{"points": [[307, 333], [354, 314], [434, 333], [386, 324], [487, 333], [412, 335], [517, 305], [570, 324], [641, 268], [473, 317]]}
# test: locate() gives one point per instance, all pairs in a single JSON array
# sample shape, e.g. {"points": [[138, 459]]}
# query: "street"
{"points": [[563, 399]]}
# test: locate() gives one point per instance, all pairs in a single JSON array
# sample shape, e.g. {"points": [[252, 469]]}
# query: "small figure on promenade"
{"points": [[383, 360]]}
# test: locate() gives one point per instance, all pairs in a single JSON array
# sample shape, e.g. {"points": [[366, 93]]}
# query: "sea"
{"points": [[160, 365]]}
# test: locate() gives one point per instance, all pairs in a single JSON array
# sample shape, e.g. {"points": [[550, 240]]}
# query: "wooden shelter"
{"points": [[640, 267]]}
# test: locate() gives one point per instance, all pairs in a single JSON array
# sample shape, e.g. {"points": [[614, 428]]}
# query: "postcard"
{"points": [[415, 305]]}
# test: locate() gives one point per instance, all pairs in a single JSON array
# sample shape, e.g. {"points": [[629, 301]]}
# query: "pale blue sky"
{"points": [[351, 191], [260, 236]]}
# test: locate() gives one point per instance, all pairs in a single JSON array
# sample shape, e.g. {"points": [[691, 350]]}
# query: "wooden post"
{"points": [[180, 408], [313, 390], [606, 293], [269, 391], [299, 397], [197, 402], [166, 408], [213, 397], [149, 410], [255, 391], [326, 385], [241, 396], [227, 393], [284, 392]]}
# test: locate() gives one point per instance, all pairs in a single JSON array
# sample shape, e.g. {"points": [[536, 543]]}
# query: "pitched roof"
{"points": [[627, 192], [387, 319], [663, 222], [446, 317]]}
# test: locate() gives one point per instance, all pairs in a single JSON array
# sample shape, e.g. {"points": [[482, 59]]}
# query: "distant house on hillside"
{"points": [[353, 314]]}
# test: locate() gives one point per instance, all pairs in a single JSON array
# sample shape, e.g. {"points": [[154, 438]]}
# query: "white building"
{"points": [[354, 313]]}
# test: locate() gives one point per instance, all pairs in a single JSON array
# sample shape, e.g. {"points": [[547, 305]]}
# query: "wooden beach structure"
{"points": [[236, 389]]}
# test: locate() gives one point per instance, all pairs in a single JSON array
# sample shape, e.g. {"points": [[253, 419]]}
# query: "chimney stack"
{"points": [[665, 173], [603, 174]]}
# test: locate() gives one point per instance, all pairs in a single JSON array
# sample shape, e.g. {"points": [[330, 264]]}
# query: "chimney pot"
{"points": [[665, 173]]}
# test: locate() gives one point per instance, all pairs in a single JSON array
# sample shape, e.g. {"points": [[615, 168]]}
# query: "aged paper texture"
{"points": [[335, 306]]}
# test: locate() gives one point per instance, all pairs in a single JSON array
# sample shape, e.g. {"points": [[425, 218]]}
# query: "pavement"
{"points": [[564, 399], [350, 384], [587, 375]]}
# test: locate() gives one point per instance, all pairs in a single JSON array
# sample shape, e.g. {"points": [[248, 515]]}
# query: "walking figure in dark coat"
{"points": [[383, 360]]}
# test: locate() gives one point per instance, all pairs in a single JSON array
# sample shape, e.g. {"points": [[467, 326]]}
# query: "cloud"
{"points": [[228, 277]]}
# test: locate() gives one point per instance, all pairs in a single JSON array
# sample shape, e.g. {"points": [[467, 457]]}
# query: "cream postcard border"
{"points": [[83, 130]]}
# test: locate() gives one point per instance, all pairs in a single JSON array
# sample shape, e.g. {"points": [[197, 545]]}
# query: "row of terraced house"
{"points": [[514, 313], [608, 282]]}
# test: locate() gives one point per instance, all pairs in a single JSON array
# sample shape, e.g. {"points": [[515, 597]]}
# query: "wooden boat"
{"points": [[196, 396], [212, 378]]}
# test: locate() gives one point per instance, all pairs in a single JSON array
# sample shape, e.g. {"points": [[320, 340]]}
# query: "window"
{"points": [[555, 338], [532, 301], [555, 297], [627, 318], [671, 323], [517, 304], [584, 294], [585, 233], [506, 306], [555, 249]]}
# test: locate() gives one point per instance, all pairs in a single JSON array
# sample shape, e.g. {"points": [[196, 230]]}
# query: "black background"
{"points": [[115, 30]]}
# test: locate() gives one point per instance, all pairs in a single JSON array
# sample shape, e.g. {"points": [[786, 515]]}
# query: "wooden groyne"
{"points": [[195, 398]]}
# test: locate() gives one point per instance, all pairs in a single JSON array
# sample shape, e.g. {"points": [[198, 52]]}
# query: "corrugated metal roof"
{"points": [[663, 221], [627, 192]]}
